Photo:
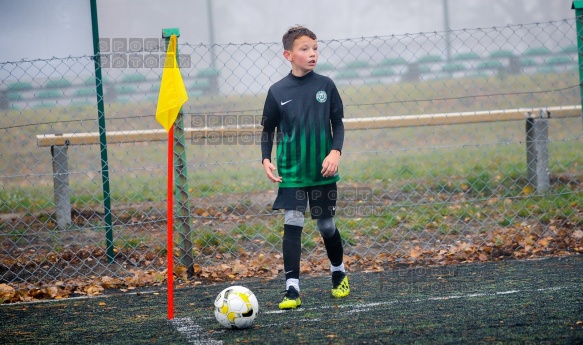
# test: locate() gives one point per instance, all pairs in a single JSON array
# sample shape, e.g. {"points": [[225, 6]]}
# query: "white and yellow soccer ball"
{"points": [[236, 307]]}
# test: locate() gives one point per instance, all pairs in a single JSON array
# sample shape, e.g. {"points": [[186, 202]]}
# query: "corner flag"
{"points": [[172, 97], [172, 91]]}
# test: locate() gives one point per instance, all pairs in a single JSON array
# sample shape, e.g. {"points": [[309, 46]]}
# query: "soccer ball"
{"points": [[236, 307]]}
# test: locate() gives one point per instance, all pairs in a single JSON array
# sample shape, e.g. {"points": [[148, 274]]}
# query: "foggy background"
{"points": [[36, 29]]}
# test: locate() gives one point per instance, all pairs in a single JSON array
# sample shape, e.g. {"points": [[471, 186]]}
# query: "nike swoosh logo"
{"points": [[286, 102]]}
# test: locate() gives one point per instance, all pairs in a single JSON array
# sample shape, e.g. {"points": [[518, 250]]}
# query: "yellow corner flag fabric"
{"points": [[172, 91]]}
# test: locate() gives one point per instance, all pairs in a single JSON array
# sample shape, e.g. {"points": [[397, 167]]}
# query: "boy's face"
{"points": [[303, 56]]}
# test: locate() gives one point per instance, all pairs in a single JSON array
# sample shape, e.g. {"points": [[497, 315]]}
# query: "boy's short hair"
{"points": [[294, 33]]}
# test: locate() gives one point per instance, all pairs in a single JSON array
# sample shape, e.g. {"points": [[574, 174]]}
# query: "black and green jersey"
{"points": [[307, 112]]}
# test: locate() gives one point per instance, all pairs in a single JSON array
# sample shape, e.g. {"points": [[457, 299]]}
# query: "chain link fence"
{"points": [[460, 145]]}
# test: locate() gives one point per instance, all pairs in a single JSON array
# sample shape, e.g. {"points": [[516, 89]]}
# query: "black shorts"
{"points": [[322, 200]]}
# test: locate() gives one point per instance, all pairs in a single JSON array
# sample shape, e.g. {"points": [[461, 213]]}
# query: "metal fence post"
{"points": [[537, 152], [102, 134], [181, 178], [61, 182]]}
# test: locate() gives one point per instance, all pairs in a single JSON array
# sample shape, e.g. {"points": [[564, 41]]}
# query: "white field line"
{"points": [[193, 333], [357, 308]]}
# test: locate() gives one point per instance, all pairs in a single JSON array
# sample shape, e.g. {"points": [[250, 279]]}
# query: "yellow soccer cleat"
{"points": [[340, 286], [291, 300]]}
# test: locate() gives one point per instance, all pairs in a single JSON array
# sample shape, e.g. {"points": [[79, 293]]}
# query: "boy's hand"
{"points": [[269, 169], [330, 163]]}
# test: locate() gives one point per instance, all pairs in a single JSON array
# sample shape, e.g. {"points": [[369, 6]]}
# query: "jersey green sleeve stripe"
{"points": [[323, 136], [303, 156], [293, 155], [280, 154], [314, 156]]}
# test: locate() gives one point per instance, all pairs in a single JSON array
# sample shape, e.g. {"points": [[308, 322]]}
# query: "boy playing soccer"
{"points": [[307, 111]]}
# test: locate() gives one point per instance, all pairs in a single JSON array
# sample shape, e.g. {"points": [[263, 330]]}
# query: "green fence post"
{"points": [[578, 7], [181, 177], [102, 136]]}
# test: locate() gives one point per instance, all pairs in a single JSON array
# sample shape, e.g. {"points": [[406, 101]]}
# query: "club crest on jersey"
{"points": [[321, 96]]}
